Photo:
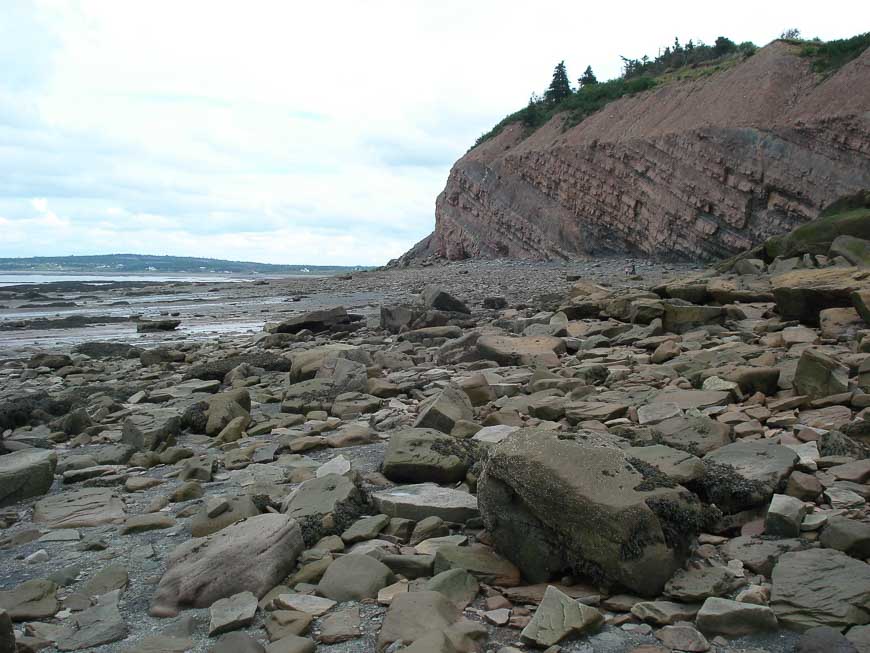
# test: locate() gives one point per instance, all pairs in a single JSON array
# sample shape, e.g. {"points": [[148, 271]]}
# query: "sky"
{"points": [[294, 132]]}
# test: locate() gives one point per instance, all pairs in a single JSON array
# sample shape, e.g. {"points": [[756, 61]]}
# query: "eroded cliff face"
{"points": [[689, 170]]}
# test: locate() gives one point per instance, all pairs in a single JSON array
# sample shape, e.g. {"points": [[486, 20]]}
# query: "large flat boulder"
{"points": [[148, 429], [820, 587], [420, 455], [25, 474], [555, 505], [253, 555], [80, 509], [743, 475], [526, 350], [802, 294], [423, 500]]}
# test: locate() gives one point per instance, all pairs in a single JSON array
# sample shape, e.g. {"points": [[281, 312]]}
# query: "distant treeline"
{"points": [[121, 263]]}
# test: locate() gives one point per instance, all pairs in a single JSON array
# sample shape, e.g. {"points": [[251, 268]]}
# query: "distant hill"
{"points": [[141, 263]]}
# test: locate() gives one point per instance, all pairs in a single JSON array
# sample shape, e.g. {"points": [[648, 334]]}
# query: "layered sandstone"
{"points": [[696, 169]]}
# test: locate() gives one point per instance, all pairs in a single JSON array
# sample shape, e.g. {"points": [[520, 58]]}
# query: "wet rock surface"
{"points": [[596, 461]]}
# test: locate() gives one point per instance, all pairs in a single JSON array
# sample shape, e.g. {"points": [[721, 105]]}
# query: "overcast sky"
{"points": [[288, 131]]}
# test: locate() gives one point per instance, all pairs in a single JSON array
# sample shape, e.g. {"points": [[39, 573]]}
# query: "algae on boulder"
{"points": [[554, 506]]}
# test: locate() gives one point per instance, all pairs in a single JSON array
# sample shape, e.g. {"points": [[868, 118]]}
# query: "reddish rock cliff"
{"points": [[689, 170]]}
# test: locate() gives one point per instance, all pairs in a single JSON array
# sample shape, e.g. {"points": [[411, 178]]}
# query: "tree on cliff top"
{"points": [[588, 78], [560, 87]]}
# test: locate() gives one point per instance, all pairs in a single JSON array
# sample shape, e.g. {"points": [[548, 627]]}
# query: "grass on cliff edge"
{"points": [[830, 56]]}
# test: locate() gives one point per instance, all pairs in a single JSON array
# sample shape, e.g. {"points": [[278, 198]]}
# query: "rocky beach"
{"points": [[601, 455]]}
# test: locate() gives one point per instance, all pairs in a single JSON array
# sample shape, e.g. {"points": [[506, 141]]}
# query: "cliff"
{"points": [[698, 169]]}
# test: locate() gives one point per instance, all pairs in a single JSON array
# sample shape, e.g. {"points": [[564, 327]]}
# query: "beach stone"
{"points": [[418, 455], [558, 616], [366, 528], [682, 637], [203, 570], [413, 614], [443, 411], [784, 516], [681, 466], [439, 299], [340, 626], [657, 412], [426, 500], [850, 536], [456, 584], [695, 435], [820, 375], [147, 522], [353, 578], [231, 613], [760, 555], [480, 561], [292, 644], [553, 504], [802, 595], [859, 636], [110, 578], [232, 510], [526, 350], [225, 407], [695, 585], [99, 624], [315, 606], [147, 430], [280, 623], [754, 471], [25, 474], [32, 599], [663, 613], [316, 321], [237, 643], [823, 639], [324, 506], [725, 617], [83, 508]]}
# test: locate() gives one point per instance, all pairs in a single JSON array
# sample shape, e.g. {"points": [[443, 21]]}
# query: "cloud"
{"points": [[288, 132]]}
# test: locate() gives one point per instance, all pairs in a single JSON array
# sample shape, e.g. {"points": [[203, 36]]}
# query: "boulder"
{"points": [[325, 505], [733, 619], [443, 411], [231, 613], [423, 500], [413, 614], [152, 326], [850, 536], [418, 455], [526, 350], [353, 578], [149, 429], [820, 375], [820, 587], [315, 321], [25, 474], [558, 616], [441, 300], [855, 250], [32, 599], [79, 509], [801, 294], [253, 555], [746, 474], [553, 505]]}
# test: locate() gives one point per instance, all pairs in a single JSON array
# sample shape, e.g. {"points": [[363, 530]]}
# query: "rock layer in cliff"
{"points": [[698, 169]]}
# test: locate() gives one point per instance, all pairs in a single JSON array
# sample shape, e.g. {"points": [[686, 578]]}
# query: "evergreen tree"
{"points": [[588, 78], [560, 87], [532, 113]]}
